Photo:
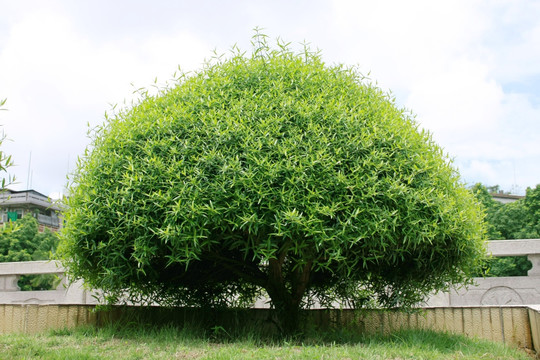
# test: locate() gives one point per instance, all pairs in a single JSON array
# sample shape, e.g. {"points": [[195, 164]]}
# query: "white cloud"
{"points": [[513, 36], [468, 69], [407, 38], [449, 99], [57, 81], [449, 62], [430, 53]]}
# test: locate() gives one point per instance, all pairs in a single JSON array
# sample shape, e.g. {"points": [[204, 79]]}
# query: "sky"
{"points": [[468, 69]]}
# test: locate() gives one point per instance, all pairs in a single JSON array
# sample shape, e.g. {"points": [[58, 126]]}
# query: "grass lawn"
{"points": [[171, 343]]}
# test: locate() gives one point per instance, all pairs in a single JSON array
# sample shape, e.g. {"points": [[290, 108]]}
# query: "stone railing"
{"points": [[515, 290], [528, 247], [10, 293], [519, 290]]}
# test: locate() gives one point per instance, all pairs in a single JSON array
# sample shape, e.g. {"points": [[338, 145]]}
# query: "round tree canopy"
{"points": [[269, 172]]}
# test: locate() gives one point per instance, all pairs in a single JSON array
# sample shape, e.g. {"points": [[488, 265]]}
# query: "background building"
{"points": [[505, 198], [16, 204]]}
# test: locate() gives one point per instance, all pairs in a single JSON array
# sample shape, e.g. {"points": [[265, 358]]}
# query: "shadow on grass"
{"points": [[211, 327], [200, 334]]}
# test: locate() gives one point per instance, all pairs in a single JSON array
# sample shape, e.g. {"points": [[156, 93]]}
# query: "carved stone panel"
{"points": [[501, 295]]}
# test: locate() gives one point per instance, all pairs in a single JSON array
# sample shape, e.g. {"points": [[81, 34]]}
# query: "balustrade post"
{"points": [[535, 260], [9, 283]]}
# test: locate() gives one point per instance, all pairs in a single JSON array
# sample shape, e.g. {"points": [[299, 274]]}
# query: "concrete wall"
{"points": [[534, 320], [31, 319], [508, 325], [516, 326]]}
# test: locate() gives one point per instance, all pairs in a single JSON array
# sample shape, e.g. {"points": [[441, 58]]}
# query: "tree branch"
{"points": [[242, 269], [301, 281]]}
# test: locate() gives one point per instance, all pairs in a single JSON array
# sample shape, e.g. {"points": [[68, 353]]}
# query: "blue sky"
{"points": [[469, 70]]}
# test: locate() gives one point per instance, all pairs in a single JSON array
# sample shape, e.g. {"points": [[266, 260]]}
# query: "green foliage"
{"points": [[490, 207], [18, 244], [508, 266], [516, 220], [47, 242], [23, 242], [273, 172], [532, 206]]}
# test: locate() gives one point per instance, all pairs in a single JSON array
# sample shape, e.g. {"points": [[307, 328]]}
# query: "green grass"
{"points": [[171, 343]]}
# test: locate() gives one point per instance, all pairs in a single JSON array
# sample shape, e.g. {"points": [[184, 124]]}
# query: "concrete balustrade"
{"points": [[523, 290], [10, 293], [515, 290], [526, 247]]}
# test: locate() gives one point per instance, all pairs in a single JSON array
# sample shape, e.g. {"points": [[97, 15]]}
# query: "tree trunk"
{"points": [[288, 316], [286, 301]]}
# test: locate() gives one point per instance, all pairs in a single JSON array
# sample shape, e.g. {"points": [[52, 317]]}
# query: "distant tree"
{"points": [[494, 189], [532, 206], [272, 173], [18, 245], [516, 220], [24, 243], [490, 207]]}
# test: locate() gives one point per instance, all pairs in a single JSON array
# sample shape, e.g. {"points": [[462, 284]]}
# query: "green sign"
{"points": [[12, 215]]}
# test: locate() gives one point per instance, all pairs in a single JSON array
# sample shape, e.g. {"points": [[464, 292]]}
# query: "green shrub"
{"points": [[273, 173]]}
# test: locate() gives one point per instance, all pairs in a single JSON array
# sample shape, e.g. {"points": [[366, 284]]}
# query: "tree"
{"points": [[516, 220], [23, 242], [272, 173], [26, 243], [532, 206], [491, 207], [18, 245]]}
